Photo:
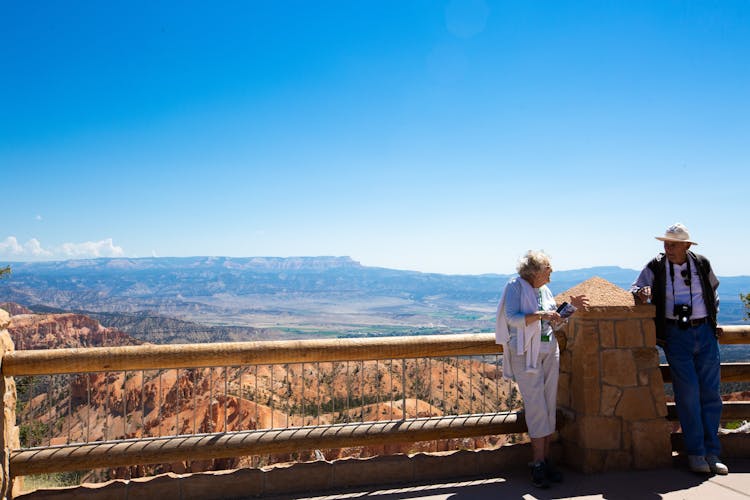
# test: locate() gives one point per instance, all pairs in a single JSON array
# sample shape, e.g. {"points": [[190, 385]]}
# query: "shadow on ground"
{"points": [[674, 482]]}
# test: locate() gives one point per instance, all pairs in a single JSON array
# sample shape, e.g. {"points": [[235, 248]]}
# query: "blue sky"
{"points": [[438, 136]]}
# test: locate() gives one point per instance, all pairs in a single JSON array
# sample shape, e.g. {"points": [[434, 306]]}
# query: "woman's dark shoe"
{"points": [[539, 475], [553, 473]]}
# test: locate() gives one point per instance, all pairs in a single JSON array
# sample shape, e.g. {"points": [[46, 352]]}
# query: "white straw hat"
{"points": [[676, 232]]}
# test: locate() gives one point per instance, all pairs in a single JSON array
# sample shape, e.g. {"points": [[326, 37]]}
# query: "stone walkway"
{"points": [[669, 483]]}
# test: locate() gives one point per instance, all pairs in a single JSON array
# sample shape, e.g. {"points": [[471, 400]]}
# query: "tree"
{"points": [[746, 299]]}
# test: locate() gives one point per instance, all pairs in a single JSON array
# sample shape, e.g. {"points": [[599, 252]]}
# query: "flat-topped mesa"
{"points": [[601, 294]]}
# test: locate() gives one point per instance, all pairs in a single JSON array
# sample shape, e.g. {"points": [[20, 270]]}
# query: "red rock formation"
{"points": [[15, 309], [59, 331]]}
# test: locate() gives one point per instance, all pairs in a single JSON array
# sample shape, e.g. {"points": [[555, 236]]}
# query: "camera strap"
{"points": [[545, 338], [689, 278]]}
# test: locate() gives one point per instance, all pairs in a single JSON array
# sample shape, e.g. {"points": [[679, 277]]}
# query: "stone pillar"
{"points": [[8, 428], [611, 391]]}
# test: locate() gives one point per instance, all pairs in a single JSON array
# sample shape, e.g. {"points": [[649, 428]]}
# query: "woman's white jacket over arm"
{"points": [[528, 338]]}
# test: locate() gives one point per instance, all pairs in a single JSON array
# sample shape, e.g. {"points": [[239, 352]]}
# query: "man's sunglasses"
{"points": [[685, 277]]}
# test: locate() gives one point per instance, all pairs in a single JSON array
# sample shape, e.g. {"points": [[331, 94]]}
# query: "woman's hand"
{"points": [[580, 301], [558, 321], [550, 316]]}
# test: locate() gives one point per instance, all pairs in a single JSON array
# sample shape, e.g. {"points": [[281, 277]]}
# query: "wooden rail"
{"points": [[152, 357], [232, 444], [730, 372], [731, 411], [735, 334]]}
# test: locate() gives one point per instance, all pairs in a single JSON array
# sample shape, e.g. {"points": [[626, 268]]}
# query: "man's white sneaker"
{"points": [[714, 463], [698, 463]]}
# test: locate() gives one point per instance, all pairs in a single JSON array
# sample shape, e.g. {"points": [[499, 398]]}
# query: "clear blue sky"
{"points": [[438, 136]]}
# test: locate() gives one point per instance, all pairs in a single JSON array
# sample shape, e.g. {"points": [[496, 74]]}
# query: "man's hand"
{"points": [[644, 294]]}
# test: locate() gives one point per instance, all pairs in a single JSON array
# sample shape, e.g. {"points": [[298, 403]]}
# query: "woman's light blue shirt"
{"points": [[516, 317]]}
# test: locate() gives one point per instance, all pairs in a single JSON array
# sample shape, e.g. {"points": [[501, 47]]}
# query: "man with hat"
{"points": [[682, 286]]}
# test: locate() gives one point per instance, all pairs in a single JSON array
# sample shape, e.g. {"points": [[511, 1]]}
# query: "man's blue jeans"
{"points": [[693, 357]]}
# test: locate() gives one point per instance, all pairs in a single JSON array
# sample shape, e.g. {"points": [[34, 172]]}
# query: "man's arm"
{"points": [[641, 287]]}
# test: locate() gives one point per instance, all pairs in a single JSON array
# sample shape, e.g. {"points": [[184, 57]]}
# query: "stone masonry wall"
{"points": [[611, 389]]}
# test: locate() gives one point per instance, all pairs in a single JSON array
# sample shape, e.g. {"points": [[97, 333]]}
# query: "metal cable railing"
{"points": [[109, 406], [148, 404]]}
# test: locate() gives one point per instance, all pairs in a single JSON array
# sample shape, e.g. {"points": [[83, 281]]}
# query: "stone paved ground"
{"points": [[671, 483]]}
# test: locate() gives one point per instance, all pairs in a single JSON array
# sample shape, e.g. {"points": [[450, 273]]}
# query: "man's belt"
{"points": [[692, 322]]}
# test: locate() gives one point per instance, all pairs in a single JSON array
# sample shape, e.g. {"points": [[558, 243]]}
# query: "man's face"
{"points": [[676, 251]]}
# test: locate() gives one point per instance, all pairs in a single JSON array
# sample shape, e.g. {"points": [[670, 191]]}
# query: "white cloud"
{"points": [[38, 217], [10, 246], [88, 249], [33, 250]]}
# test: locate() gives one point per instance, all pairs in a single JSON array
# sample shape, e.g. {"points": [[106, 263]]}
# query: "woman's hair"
{"points": [[531, 263]]}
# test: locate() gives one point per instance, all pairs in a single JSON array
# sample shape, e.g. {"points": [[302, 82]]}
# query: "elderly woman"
{"points": [[526, 320]]}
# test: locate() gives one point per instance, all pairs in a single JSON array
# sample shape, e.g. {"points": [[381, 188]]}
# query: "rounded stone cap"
{"points": [[602, 295]]}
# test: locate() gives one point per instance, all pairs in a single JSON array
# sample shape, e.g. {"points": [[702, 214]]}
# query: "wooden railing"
{"points": [[79, 456], [229, 444]]}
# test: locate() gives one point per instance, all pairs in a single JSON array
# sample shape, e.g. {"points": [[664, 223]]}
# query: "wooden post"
{"points": [[8, 429]]}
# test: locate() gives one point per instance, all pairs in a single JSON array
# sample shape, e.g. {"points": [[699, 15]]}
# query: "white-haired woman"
{"points": [[526, 317]]}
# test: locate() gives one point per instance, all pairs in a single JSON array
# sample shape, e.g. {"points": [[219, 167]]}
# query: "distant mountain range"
{"points": [[291, 296]]}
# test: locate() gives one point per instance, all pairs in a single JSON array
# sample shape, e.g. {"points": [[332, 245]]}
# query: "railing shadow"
{"points": [[514, 482]]}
